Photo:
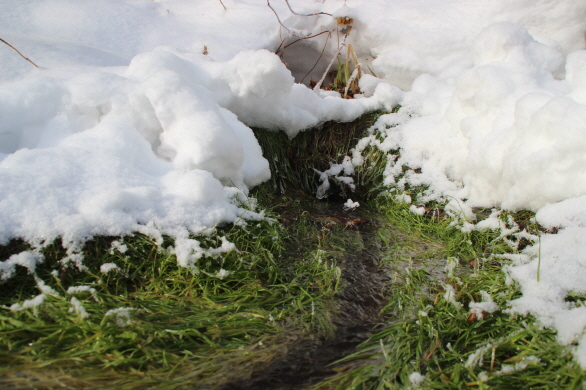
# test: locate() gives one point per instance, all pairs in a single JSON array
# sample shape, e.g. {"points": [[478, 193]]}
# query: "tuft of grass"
{"points": [[347, 75], [292, 161]]}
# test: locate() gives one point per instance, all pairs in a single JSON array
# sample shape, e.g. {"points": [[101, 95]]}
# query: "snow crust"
{"points": [[139, 118]]}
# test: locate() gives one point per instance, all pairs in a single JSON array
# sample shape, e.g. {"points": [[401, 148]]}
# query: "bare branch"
{"points": [[319, 58], [279, 20], [295, 13], [318, 85], [311, 36], [281, 23], [223, 5], [13, 48], [300, 39], [281, 50]]}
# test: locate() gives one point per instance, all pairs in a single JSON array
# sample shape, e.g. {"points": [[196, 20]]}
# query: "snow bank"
{"points": [[505, 129], [119, 132], [494, 116]]}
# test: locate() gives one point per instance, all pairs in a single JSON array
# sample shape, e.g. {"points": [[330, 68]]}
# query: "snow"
{"points": [[122, 315], [81, 289], [337, 172], [487, 305], [26, 259], [350, 205], [108, 267], [35, 302], [138, 120], [415, 379], [417, 210], [78, 308]]}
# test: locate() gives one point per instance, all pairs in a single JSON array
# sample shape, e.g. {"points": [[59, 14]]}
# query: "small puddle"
{"points": [[359, 303]]}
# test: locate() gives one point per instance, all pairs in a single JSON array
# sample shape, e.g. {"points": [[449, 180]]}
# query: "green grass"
{"points": [[293, 161], [182, 326], [428, 334]]}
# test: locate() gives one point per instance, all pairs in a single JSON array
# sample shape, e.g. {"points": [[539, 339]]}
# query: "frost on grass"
{"points": [[108, 267], [450, 296], [78, 308], [486, 306], [222, 273], [451, 265], [476, 358], [507, 369], [122, 315], [29, 303]]}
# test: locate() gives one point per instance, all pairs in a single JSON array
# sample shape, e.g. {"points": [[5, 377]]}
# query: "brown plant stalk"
{"points": [[14, 48]]}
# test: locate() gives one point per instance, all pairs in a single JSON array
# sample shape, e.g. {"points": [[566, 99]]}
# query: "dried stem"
{"points": [[539, 259], [300, 39], [279, 20], [357, 69], [282, 25], [223, 5], [281, 50], [13, 48], [295, 13], [311, 36], [319, 58], [355, 74], [318, 85]]}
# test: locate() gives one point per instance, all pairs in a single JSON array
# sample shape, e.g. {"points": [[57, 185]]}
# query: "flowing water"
{"points": [[358, 304]]}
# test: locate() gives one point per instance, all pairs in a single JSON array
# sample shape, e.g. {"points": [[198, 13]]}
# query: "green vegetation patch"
{"points": [[447, 326], [143, 320], [294, 161]]}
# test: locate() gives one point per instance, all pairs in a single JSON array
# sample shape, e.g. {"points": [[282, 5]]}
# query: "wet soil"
{"points": [[308, 361]]}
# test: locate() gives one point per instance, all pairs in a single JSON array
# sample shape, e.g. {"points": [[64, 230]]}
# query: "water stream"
{"points": [[359, 302]]}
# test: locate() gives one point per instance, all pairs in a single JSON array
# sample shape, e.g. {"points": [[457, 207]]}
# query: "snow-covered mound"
{"points": [[138, 117], [107, 150]]}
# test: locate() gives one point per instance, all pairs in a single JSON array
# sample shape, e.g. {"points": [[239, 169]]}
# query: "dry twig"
{"points": [[282, 48], [13, 48], [318, 85], [277, 15], [281, 23], [295, 13], [319, 58]]}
